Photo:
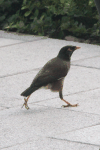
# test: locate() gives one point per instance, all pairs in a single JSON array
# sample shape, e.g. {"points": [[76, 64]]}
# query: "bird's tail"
{"points": [[29, 91]]}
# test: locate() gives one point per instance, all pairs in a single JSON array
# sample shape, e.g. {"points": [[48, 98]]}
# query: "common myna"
{"points": [[52, 75]]}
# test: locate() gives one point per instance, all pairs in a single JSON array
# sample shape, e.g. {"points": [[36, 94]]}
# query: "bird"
{"points": [[52, 75]]}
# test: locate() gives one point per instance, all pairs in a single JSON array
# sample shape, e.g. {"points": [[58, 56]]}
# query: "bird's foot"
{"points": [[70, 105], [25, 104]]}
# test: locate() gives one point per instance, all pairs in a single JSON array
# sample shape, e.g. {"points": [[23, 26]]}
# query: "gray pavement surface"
{"points": [[47, 125]]}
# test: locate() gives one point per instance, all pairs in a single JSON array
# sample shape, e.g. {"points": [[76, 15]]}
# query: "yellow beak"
{"points": [[78, 47]]}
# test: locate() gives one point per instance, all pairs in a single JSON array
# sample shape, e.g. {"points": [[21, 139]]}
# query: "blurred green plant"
{"points": [[55, 18]]}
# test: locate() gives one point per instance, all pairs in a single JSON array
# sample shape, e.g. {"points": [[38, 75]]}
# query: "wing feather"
{"points": [[51, 72]]}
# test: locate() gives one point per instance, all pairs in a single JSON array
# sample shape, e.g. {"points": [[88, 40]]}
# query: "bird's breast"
{"points": [[68, 65]]}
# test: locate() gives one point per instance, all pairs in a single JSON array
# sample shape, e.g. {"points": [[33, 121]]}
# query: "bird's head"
{"points": [[66, 52]]}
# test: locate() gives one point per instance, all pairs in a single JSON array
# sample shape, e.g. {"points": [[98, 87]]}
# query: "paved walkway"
{"points": [[46, 125]]}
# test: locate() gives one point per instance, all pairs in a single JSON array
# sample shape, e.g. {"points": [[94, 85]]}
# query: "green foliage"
{"points": [[9, 12], [56, 18]]}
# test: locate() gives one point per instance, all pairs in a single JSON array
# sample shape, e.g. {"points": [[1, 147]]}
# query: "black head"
{"points": [[66, 52]]}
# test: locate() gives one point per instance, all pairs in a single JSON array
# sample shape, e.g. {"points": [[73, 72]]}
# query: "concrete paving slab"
{"points": [[18, 126], [46, 125], [50, 144], [1, 108], [90, 63], [6, 42], [87, 135]]}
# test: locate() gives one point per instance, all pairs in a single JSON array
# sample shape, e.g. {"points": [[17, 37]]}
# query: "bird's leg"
{"points": [[68, 104], [25, 103]]}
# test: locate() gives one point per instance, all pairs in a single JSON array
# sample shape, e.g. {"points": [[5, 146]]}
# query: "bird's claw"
{"points": [[25, 104], [70, 105], [27, 107]]}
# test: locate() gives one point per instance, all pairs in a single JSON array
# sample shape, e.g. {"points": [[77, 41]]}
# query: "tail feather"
{"points": [[29, 91]]}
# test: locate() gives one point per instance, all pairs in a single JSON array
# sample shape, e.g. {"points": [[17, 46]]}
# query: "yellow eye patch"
{"points": [[69, 50]]}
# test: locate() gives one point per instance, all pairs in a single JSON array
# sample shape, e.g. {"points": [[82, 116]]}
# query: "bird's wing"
{"points": [[51, 72]]}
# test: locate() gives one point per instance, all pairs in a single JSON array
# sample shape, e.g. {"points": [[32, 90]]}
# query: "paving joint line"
{"points": [[24, 142], [22, 42], [52, 107], [86, 58], [70, 94], [12, 44], [14, 74], [74, 141], [86, 66], [80, 128], [4, 76], [37, 102]]}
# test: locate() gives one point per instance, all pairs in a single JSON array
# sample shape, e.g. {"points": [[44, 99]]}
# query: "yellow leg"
{"points": [[68, 104], [25, 103]]}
